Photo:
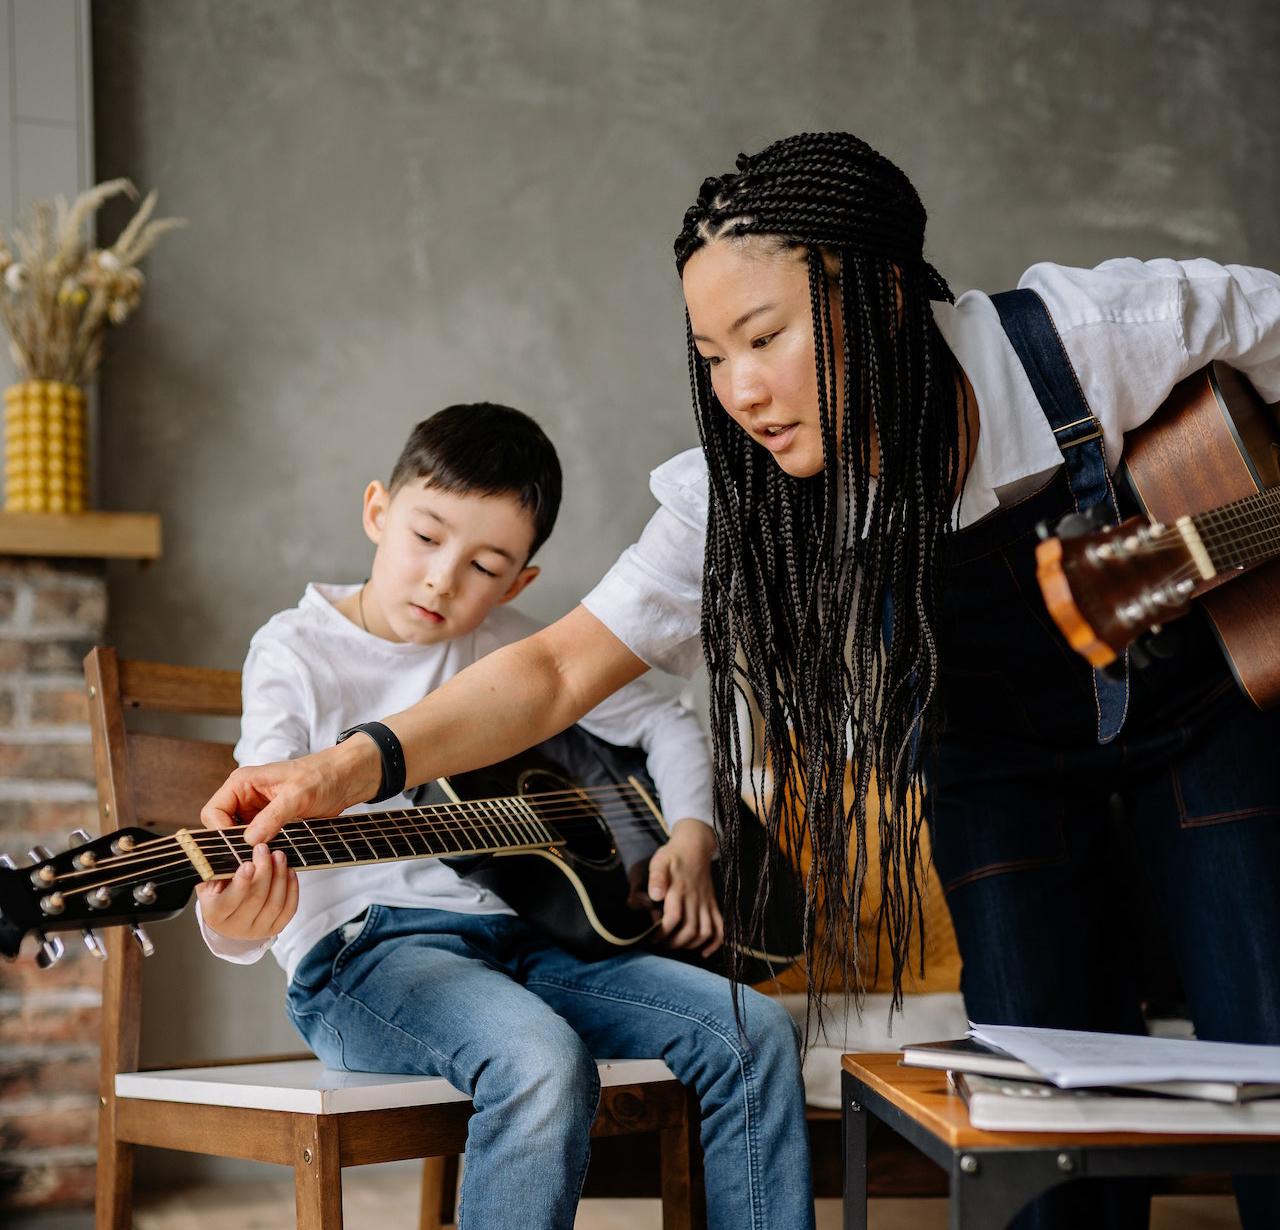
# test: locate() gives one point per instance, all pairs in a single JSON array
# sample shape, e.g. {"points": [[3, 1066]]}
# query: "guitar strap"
{"points": [[1035, 340]]}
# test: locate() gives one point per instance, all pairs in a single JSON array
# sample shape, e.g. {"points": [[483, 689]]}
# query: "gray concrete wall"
{"points": [[399, 205]]}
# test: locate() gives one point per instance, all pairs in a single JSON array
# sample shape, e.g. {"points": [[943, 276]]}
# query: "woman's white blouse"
{"points": [[1132, 330]]}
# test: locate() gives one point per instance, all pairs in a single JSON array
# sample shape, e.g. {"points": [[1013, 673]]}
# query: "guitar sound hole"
{"points": [[570, 814]]}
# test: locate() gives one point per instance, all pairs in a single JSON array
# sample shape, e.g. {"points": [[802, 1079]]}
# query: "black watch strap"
{"points": [[392, 755]]}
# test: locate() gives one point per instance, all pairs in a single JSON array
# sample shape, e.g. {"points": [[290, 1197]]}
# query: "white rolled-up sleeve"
{"points": [[238, 952], [651, 599], [1133, 329]]}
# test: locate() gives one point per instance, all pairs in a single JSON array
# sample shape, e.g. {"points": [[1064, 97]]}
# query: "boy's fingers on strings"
{"points": [[290, 900], [672, 908], [689, 934], [276, 871], [207, 894], [659, 876], [706, 930], [250, 885], [717, 929]]}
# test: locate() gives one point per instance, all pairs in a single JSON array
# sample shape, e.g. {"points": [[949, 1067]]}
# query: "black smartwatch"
{"points": [[392, 755]]}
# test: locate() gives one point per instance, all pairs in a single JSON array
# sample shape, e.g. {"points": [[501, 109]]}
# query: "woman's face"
{"points": [[752, 321]]}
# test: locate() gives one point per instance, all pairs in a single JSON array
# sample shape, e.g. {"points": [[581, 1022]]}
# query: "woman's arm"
{"points": [[508, 701]]}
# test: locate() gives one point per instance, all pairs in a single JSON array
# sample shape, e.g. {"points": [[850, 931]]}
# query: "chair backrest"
{"points": [[158, 782], [155, 781]]}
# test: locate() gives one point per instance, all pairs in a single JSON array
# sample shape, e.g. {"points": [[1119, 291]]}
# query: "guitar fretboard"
{"points": [[488, 827], [1243, 533]]}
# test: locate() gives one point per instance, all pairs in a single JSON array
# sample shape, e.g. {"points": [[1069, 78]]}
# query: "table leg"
{"points": [[989, 1188], [853, 1131]]}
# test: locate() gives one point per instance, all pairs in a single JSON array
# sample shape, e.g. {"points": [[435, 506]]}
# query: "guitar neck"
{"points": [[490, 826], [1242, 534]]}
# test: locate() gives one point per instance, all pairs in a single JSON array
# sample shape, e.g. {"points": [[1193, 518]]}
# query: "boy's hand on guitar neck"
{"points": [[260, 899], [680, 879], [254, 904]]}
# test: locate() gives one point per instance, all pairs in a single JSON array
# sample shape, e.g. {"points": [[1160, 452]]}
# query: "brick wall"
{"points": [[51, 614]]}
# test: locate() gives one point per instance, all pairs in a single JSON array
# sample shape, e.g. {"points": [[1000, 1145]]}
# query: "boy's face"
{"points": [[444, 560]]}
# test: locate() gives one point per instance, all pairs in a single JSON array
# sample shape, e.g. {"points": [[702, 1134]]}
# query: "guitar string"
{"points": [[1219, 528], [446, 817], [568, 815], [339, 843], [181, 868], [318, 866], [142, 865]]}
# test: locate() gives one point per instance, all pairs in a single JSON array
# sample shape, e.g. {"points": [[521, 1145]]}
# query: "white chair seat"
{"points": [[924, 1018], [308, 1087]]}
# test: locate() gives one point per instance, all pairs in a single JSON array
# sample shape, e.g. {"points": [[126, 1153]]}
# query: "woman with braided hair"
{"points": [[851, 552]]}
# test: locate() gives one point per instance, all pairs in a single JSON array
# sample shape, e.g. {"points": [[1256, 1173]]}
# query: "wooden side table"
{"points": [[994, 1174]]}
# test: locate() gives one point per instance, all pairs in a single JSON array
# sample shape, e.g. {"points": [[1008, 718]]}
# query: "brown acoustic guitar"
{"points": [[1206, 473]]}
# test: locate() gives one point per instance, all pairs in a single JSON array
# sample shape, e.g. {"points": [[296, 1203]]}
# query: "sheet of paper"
{"points": [[1073, 1059]]}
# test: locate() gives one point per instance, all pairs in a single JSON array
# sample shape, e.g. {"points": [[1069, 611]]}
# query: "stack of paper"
{"points": [[1066, 1080]]}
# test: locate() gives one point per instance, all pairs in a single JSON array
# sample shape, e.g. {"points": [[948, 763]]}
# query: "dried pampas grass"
{"points": [[59, 294]]}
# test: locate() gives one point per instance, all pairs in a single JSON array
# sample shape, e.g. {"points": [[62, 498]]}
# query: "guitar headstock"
{"points": [[1107, 588], [121, 879]]}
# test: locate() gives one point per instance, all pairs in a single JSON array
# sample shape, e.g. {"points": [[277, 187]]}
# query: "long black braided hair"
{"points": [[821, 595]]}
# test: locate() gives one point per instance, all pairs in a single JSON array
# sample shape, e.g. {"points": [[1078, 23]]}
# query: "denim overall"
{"points": [[1067, 808]]}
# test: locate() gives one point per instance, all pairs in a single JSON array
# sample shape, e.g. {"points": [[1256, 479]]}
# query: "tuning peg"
{"points": [[144, 940], [93, 943], [50, 952], [45, 874], [78, 837], [7, 862]]}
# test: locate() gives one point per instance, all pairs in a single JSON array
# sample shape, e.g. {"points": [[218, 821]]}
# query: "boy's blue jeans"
{"points": [[517, 1023]]}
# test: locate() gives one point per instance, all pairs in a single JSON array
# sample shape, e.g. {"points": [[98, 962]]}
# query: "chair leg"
{"points": [[113, 1202], [684, 1196], [439, 1192], [317, 1173], [449, 1194]]}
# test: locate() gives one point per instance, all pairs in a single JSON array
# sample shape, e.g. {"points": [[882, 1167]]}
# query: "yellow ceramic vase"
{"points": [[44, 448]]}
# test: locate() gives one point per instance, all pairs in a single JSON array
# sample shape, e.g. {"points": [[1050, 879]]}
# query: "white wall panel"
{"points": [[46, 73]]}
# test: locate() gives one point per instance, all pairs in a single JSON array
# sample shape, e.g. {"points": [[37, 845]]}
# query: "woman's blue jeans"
{"points": [[1055, 851], [517, 1023]]}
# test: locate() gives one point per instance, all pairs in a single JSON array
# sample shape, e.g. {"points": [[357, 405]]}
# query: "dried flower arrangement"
{"points": [[60, 294]]}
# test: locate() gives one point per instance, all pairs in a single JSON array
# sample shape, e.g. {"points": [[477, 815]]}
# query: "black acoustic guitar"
{"points": [[563, 833]]}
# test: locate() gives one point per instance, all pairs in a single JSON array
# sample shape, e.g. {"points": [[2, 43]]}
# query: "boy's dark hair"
{"points": [[486, 449]]}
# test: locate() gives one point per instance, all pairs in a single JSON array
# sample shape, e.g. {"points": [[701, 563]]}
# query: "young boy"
{"points": [[407, 967]]}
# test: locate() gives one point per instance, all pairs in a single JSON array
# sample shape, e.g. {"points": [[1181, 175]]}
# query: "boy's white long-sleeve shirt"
{"points": [[311, 673]]}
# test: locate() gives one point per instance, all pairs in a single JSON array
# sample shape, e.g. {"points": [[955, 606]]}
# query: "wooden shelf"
{"points": [[90, 535]]}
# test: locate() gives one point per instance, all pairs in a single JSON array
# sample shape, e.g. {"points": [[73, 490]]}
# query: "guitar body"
{"points": [[1212, 442], [588, 893], [1205, 471]]}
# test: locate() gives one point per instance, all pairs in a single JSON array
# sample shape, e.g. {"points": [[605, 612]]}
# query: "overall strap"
{"points": [[1036, 342]]}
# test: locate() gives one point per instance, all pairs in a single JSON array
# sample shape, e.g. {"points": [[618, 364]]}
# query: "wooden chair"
{"points": [[289, 1109]]}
